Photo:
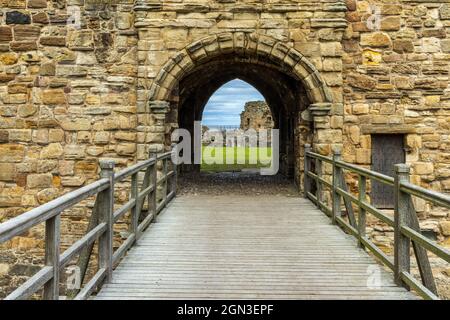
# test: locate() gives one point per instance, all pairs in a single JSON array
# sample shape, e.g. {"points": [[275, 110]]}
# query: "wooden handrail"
{"points": [[27, 220], [405, 221], [100, 227]]}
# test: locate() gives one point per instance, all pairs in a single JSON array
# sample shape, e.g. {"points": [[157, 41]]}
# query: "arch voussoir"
{"points": [[256, 48], [197, 51], [279, 52], [226, 42], [211, 46]]}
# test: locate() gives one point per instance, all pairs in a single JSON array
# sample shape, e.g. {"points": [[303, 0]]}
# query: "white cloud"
{"points": [[226, 104]]}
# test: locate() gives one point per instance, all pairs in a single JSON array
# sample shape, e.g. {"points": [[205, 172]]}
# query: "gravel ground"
{"points": [[241, 183]]}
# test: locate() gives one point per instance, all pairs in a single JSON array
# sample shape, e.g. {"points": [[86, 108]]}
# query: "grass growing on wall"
{"points": [[220, 159]]}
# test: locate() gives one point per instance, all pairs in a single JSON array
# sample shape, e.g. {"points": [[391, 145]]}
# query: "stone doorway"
{"points": [[290, 84]]}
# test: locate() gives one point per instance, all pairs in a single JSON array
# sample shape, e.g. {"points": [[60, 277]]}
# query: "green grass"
{"points": [[220, 159]]}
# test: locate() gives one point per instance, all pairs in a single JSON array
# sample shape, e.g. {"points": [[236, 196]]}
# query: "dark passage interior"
{"points": [[284, 94]]}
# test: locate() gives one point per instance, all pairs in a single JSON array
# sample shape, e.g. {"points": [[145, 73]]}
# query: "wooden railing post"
{"points": [[362, 213], [152, 203], [307, 168], [337, 178], [52, 242], [318, 166], [174, 181], [106, 203], [136, 209], [165, 171], [401, 218]]}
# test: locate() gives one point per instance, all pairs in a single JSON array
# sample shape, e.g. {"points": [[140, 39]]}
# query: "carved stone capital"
{"points": [[320, 109]]}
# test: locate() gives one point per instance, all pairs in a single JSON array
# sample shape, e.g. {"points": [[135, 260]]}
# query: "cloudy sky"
{"points": [[226, 104]]}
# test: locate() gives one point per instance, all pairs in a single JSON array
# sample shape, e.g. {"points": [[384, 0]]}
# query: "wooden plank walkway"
{"points": [[242, 247]]}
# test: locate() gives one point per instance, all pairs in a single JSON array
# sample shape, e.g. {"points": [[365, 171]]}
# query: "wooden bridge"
{"points": [[220, 247]]}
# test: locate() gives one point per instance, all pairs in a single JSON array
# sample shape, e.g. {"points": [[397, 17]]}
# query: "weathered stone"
{"points": [[48, 69], [53, 41], [52, 151], [37, 4], [16, 4], [81, 40], [403, 46], [47, 195], [53, 97], [403, 83], [5, 34], [72, 181], [73, 151], [4, 136], [8, 58], [423, 168], [55, 135], [444, 11], [124, 149], [363, 156], [40, 17], [11, 152], [43, 180], [20, 135], [360, 108], [17, 17], [372, 58], [4, 269], [431, 45], [445, 227], [7, 172], [351, 5], [101, 137], [26, 32], [26, 110], [11, 197], [376, 39], [66, 168], [23, 45], [391, 23], [75, 125], [361, 81]]}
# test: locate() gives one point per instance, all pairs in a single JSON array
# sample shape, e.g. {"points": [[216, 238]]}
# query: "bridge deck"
{"points": [[228, 247]]}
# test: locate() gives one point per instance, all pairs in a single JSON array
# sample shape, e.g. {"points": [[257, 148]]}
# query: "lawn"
{"points": [[234, 158]]}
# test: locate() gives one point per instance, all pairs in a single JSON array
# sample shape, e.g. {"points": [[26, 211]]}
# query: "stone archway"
{"points": [[258, 48], [292, 86]]}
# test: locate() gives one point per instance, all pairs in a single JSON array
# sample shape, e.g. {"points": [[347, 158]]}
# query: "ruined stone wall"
{"points": [[396, 80], [67, 98], [256, 115]]}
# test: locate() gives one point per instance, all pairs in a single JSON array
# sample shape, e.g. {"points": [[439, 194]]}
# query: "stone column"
{"points": [[156, 130], [327, 136]]}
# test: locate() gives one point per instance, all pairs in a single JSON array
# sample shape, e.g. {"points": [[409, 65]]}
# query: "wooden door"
{"points": [[387, 150]]}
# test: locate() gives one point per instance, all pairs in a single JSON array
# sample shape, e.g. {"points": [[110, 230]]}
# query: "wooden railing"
{"points": [[405, 222], [100, 227]]}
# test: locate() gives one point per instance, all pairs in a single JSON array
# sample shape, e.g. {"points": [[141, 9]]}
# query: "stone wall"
{"points": [[396, 64], [256, 115], [76, 78], [67, 98]]}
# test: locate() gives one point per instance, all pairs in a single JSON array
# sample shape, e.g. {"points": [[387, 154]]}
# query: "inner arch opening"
{"points": [[232, 120]]}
